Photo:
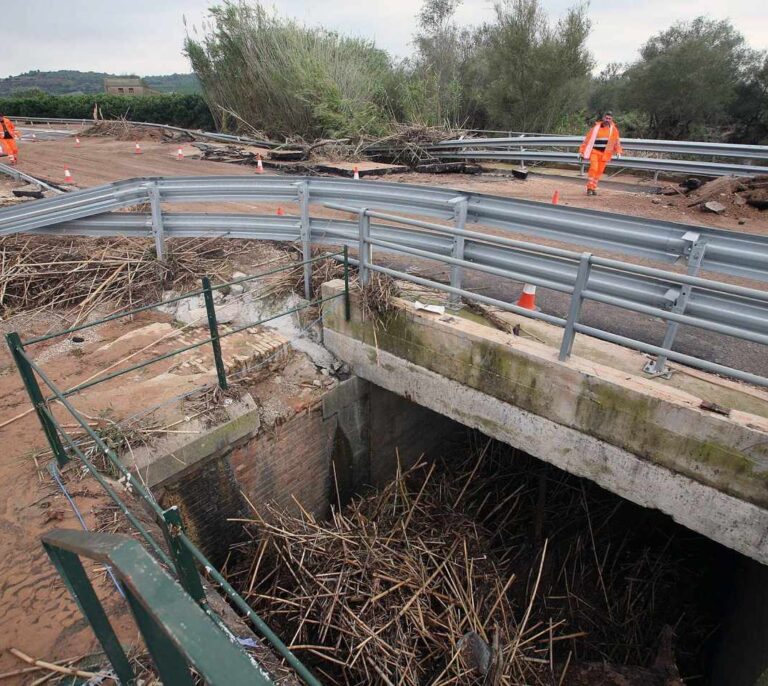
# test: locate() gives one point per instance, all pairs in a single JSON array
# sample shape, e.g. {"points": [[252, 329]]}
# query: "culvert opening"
{"points": [[77, 339], [488, 566]]}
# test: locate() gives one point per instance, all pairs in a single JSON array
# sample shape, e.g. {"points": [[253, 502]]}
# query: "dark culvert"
{"points": [[491, 567]]}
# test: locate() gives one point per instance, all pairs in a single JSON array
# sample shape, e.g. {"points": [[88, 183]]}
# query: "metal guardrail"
{"points": [[644, 163], [728, 252], [223, 137], [584, 284], [712, 304], [178, 633], [527, 142], [184, 555]]}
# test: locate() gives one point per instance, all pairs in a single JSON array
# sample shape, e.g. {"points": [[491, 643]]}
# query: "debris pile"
{"points": [[58, 274], [727, 195], [491, 570], [124, 130]]}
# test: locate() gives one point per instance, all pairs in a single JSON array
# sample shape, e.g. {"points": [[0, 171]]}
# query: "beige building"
{"points": [[128, 86]]}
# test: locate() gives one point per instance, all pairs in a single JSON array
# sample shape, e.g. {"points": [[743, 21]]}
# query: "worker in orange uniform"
{"points": [[600, 144], [8, 139]]}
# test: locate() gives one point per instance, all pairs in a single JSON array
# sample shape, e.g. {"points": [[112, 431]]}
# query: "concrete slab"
{"points": [[648, 442]]}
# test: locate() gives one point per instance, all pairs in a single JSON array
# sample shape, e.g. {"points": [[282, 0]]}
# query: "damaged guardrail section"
{"points": [[368, 219]]}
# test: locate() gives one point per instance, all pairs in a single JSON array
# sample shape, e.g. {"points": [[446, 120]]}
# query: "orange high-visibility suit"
{"points": [[8, 138], [600, 144]]}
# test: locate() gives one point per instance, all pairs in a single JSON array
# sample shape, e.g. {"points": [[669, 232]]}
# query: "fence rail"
{"points": [[184, 555]]}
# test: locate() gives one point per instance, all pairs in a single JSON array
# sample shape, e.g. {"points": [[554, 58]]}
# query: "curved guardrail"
{"points": [[711, 305], [728, 252]]}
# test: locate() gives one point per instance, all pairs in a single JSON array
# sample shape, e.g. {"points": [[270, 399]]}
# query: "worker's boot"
{"points": [[591, 191]]}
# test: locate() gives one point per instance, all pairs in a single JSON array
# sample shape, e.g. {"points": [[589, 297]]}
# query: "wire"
{"points": [[54, 470]]}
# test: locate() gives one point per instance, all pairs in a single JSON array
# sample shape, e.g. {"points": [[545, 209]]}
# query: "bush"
{"points": [[186, 111], [269, 74]]}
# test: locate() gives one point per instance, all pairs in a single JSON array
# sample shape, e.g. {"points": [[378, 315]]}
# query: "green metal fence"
{"points": [[184, 555]]}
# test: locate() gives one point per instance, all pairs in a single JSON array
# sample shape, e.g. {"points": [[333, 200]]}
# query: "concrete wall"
{"points": [[649, 444]]}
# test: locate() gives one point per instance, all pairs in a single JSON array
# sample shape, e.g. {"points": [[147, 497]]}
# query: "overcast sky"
{"points": [[146, 36]]}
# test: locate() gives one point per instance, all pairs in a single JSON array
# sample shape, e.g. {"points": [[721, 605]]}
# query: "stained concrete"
{"points": [[644, 441]]}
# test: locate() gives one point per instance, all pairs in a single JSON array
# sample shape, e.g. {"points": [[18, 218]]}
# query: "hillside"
{"points": [[67, 82]]}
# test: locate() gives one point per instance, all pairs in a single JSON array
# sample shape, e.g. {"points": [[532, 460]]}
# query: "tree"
{"points": [[749, 108], [535, 75], [434, 84], [687, 77]]}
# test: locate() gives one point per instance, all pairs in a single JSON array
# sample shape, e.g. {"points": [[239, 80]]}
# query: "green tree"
{"points": [[534, 74], [749, 108], [687, 77], [436, 91]]}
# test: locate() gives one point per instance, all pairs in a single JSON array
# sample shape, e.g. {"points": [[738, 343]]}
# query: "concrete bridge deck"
{"points": [[694, 447]]}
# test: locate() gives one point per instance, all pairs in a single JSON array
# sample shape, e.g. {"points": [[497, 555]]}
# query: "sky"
{"points": [[146, 36]]}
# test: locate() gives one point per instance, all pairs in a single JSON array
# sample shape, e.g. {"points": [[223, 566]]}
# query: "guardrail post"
{"points": [[460, 206], [79, 585], [364, 249], [347, 304], [582, 277], [186, 569], [306, 236], [36, 396], [213, 327], [158, 231], [657, 367]]}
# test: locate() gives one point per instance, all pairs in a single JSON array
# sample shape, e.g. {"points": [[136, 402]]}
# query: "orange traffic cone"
{"points": [[356, 174], [280, 212], [137, 150], [67, 176], [555, 197], [528, 297], [180, 154], [259, 165], [77, 142]]}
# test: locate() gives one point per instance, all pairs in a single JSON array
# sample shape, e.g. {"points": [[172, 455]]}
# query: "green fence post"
{"points": [[71, 570], [186, 569], [36, 396], [213, 327], [347, 304]]}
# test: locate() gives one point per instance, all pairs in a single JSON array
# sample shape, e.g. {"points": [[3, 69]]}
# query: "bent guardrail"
{"points": [[700, 247], [729, 252]]}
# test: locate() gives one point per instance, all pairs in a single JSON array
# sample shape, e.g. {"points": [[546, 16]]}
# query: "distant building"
{"points": [[128, 86]]}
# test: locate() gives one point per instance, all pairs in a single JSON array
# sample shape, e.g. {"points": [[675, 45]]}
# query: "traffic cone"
{"points": [[528, 297], [67, 176], [180, 154], [259, 166], [137, 150], [280, 212], [555, 197], [356, 174], [77, 142]]}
